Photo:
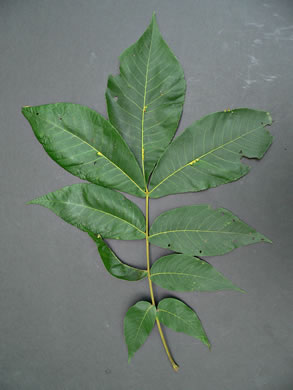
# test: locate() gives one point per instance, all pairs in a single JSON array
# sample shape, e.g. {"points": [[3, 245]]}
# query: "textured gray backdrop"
{"points": [[61, 313]]}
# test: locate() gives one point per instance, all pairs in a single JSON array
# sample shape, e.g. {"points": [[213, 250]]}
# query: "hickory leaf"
{"points": [[177, 316], [178, 272], [145, 100], [202, 231], [113, 265], [132, 151], [208, 153], [138, 323], [96, 209], [86, 145]]}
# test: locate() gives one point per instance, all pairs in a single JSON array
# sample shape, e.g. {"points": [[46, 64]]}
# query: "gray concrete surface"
{"points": [[61, 313]]}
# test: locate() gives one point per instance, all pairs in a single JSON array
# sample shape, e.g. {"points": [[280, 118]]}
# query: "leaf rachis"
{"points": [[134, 152], [174, 365]]}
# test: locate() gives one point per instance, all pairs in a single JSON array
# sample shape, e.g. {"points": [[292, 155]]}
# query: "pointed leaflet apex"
{"points": [[145, 100], [96, 209], [31, 202], [113, 265], [187, 273], [144, 104], [138, 323], [202, 231], [208, 153], [176, 315], [86, 145]]}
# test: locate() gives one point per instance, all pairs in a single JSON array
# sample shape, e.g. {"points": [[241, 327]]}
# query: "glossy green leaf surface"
{"points": [[145, 100], [202, 231], [96, 209], [208, 153], [113, 265], [86, 145], [187, 273], [177, 316], [138, 323]]}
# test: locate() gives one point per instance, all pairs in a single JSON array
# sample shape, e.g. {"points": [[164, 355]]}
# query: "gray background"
{"points": [[61, 313]]}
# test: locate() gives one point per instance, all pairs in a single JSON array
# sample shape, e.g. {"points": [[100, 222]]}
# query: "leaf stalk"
{"points": [[174, 365]]}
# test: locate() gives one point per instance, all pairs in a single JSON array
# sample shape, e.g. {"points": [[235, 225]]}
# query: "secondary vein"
{"points": [[202, 156], [98, 152]]}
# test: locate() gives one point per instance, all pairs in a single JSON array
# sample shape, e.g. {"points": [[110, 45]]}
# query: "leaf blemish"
{"points": [[153, 166]]}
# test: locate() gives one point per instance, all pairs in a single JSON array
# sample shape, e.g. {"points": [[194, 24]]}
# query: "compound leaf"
{"points": [[86, 145], [208, 153], [202, 231], [138, 323], [96, 209], [113, 265], [187, 273], [132, 152], [177, 316], [145, 100]]}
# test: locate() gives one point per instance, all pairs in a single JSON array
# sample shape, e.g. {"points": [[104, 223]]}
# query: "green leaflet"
{"points": [[96, 209], [177, 316], [208, 153], [133, 152], [138, 323], [202, 231], [187, 273], [145, 100], [86, 145], [113, 265]]}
